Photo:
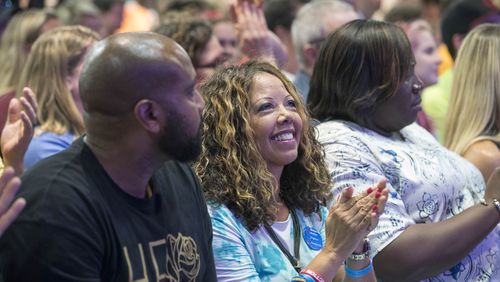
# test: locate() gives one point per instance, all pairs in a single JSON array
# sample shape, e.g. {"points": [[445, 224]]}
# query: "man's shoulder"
{"points": [[178, 179], [59, 176], [177, 172], [179, 187]]}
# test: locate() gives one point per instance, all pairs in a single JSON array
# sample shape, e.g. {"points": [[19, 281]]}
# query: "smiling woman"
{"points": [[275, 122], [267, 186]]}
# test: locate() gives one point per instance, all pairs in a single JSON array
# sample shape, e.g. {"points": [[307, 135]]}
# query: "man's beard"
{"points": [[177, 144]]}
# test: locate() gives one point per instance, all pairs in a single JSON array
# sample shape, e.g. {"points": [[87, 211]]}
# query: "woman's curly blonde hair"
{"points": [[231, 167]]}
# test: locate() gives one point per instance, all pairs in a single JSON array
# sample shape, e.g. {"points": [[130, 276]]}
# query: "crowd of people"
{"points": [[245, 140]]}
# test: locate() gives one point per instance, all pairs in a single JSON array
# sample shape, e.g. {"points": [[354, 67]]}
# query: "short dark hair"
{"points": [[359, 66], [192, 32], [106, 5], [281, 12], [461, 16]]}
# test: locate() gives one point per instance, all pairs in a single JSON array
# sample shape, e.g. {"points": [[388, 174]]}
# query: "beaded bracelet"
{"points": [[357, 273]]}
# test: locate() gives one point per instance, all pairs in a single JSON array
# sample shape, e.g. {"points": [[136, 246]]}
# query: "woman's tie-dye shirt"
{"points": [[241, 255]]}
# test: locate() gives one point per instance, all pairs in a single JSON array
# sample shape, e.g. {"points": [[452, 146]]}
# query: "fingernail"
{"points": [[375, 208], [370, 190], [377, 195]]}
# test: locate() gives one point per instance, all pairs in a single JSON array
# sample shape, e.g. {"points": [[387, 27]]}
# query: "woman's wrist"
{"points": [[358, 269], [326, 263], [494, 202], [357, 264], [362, 251], [331, 257], [18, 166], [359, 248], [311, 275]]}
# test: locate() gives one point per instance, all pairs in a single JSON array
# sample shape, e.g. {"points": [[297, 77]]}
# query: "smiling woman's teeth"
{"points": [[283, 137]]}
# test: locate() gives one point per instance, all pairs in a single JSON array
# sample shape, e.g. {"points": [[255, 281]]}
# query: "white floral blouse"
{"points": [[427, 183]]}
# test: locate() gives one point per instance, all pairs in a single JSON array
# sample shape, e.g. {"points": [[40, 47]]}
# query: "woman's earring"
{"points": [[416, 88]]}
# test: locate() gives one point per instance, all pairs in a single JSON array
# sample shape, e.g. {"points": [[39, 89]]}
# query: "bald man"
{"points": [[120, 204]]}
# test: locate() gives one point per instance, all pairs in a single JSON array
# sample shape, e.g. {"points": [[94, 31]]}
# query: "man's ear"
{"points": [[148, 114]]}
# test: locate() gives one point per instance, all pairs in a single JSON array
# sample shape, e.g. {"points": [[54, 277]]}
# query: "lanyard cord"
{"points": [[294, 260]]}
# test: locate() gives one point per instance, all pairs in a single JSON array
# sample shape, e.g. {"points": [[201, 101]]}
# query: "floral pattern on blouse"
{"points": [[427, 183]]}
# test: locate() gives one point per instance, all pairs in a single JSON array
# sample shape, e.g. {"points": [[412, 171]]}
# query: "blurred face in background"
{"points": [[112, 19], [426, 55], [226, 34], [93, 22], [209, 58], [72, 81], [366, 7]]}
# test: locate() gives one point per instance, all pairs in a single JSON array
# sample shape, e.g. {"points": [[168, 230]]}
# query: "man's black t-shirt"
{"points": [[78, 225]]}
